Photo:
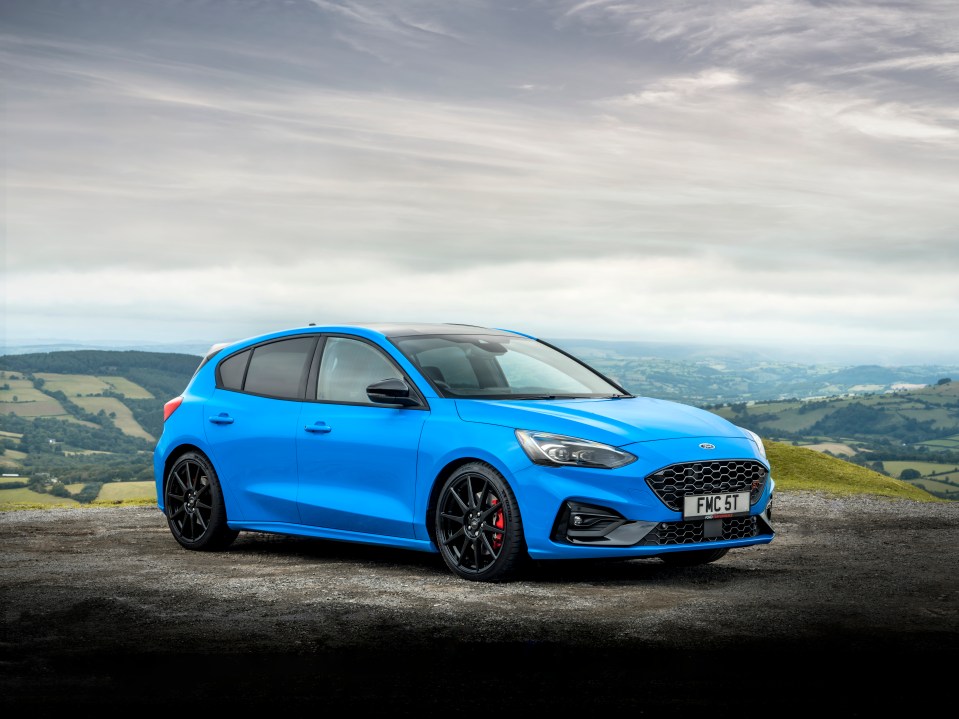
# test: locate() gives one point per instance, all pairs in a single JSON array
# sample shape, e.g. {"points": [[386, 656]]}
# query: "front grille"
{"points": [[676, 481], [692, 532]]}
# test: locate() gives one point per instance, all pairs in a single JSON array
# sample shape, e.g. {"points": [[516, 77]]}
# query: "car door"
{"points": [[357, 459], [251, 426]]}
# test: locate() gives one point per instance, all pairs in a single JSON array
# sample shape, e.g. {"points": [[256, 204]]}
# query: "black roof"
{"points": [[400, 329]]}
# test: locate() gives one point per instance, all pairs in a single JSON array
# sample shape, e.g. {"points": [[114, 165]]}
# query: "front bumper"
{"points": [[636, 511]]}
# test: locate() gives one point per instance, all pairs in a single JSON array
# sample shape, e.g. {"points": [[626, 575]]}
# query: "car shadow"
{"points": [[579, 571]]}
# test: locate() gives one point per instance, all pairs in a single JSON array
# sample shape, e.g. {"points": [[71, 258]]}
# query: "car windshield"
{"points": [[499, 367]]}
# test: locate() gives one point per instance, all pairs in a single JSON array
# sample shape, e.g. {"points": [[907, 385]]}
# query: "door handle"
{"points": [[222, 418], [319, 427]]}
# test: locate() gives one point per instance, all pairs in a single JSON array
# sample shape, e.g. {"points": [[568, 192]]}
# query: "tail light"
{"points": [[170, 407]]}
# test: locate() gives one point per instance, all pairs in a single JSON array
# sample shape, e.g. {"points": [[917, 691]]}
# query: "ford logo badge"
{"points": [[707, 445]]}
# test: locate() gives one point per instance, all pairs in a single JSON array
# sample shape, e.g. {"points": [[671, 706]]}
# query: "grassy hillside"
{"points": [[798, 468]]}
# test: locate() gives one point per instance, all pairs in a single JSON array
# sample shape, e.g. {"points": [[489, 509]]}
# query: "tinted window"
{"points": [[348, 367], [232, 370], [277, 369]]}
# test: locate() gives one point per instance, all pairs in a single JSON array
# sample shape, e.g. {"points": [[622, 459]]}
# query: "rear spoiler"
{"points": [[214, 348]]}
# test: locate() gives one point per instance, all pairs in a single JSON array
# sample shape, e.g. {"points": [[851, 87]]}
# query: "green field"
{"points": [[72, 384], [15, 436], [26, 498], [8, 480], [12, 458], [924, 468], [22, 389], [951, 442], [75, 487], [932, 485], [46, 407], [126, 387], [792, 421], [116, 492], [124, 417]]}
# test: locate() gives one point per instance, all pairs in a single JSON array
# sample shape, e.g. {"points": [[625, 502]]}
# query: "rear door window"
{"points": [[276, 369]]}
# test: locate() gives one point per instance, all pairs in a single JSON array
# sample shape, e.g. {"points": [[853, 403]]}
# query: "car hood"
{"points": [[612, 421]]}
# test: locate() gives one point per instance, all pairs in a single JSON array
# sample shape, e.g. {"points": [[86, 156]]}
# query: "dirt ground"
{"points": [[853, 608]]}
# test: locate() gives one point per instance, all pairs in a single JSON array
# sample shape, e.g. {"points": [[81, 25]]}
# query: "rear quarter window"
{"points": [[232, 369]]}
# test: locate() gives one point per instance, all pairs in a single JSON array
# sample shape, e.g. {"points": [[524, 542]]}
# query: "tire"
{"points": [[194, 507], [694, 558], [479, 531]]}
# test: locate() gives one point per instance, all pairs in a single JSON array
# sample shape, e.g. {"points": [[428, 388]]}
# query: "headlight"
{"points": [[556, 450], [756, 440]]}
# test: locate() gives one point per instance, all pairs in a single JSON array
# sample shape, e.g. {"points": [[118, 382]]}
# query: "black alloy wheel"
{"points": [[479, 531], [194, 504]]}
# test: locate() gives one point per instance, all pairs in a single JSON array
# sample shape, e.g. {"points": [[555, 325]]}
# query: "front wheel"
{"points": [[194, 504], [693, 558], [478, 526]]}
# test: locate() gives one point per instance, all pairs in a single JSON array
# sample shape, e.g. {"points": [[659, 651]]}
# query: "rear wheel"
{"points": [[696, 557], [194, 504], [478, 526]]}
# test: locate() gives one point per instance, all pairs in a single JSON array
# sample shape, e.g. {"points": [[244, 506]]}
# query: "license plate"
{"points": [[715, 506]]}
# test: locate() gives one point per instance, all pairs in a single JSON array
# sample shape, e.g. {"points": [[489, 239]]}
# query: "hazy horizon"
{"points": [[683, 351]]}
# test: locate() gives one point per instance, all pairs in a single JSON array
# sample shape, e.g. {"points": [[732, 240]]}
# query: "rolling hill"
{"points": [[910, 434], [73, 423]]}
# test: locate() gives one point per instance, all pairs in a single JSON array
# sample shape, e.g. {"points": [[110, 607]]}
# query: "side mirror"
{"points": [[391, 391]]}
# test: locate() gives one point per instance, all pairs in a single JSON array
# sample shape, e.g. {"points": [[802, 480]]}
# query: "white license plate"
{"points": [[715, 506]]}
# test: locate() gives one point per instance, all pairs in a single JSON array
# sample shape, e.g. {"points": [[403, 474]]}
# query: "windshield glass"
{"points": [[498, 367]]}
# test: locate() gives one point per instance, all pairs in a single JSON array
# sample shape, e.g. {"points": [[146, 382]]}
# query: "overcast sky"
{"points": [[782, 172]]}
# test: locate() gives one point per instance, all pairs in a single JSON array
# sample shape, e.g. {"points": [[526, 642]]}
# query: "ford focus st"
{"points": [[489, 447]]}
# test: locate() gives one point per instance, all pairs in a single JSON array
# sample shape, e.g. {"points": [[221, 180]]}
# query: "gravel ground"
{"points": [[853, 607]]}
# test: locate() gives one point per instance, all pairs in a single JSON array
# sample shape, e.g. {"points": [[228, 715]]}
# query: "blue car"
{"points": [[489, 447]]}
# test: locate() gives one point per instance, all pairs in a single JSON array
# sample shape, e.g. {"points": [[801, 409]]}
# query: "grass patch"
{"points": [[25, 392], [798, 468], [47, 407], [124, 417], [934, 485], [127, 492], [127, 388], [71, 418], [837, 448], [28, 499], [895, 467], [10, 480], [72, 384], [951, 442], [15, 436]]}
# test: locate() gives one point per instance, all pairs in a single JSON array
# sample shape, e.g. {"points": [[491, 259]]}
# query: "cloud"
{"points": [[593, 167]]}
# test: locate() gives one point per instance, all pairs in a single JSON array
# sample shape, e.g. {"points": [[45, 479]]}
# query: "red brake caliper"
{"points": [[499, 522]]}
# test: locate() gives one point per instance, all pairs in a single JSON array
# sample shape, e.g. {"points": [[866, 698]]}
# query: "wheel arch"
{"points": [[445, 473], [172, 459]]}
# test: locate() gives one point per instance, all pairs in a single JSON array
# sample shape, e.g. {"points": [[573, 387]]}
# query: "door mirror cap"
{"points": [[391, 391]]}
